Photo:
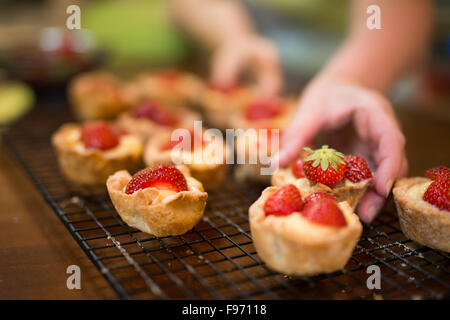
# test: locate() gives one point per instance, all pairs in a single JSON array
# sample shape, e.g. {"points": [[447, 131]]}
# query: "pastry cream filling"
{"points": [[417, 190], [304, 183], [128, 144]]}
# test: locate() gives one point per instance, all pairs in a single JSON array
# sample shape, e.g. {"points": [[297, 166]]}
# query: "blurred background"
{"points": [[129, 36]]}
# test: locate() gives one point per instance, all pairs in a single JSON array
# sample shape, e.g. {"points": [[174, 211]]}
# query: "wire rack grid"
{"points": [[217, 259]]}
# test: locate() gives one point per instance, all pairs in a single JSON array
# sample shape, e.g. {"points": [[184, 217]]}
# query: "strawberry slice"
{"points": [[284, 201], [169, 77], [438, 194], [264, 109], [99, 135], [319, 196], [162, 177], [324, 165], [269, 137], [152, 111], [297, 168], [440, 172], [323, 210], [224, 88], [188, 137], [357, 169]]}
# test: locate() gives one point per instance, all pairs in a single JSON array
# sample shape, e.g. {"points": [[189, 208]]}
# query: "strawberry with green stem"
{"points": [[324, 165]]}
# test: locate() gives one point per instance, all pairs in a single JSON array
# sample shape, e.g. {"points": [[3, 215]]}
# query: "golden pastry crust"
{"points": [[97, 95], [158, 212], [346, 191], [247, 145], [238, 119], [295, 246], [145, 128], [419, 220], [219, 107], [93, 166], [186, 89], [211, 175]]}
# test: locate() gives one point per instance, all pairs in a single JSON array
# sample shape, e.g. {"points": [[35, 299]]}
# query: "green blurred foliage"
{"points": [[135, 32]]}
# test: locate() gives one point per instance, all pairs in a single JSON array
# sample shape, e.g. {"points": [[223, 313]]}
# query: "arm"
{"points": [[213, 22], [376, 58], [224, 27], [351, 88]]}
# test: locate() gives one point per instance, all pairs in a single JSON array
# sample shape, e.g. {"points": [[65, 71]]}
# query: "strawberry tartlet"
{"points": [[89, 153], [151, 117], [97, 95], [423, 206], [303, 237], [346, 177], [169, 86], [162, 200], [219, 103], [199, 153], [258, 112]]}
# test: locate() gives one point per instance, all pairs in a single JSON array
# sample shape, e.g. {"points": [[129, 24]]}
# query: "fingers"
{"points": [[268, 71], [369, 206], [253, 54], [270, 80], [305, 125], [391, 160], [226, 66]]}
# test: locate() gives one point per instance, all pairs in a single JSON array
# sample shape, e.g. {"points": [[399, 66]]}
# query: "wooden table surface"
{"points": [[35, 247]]}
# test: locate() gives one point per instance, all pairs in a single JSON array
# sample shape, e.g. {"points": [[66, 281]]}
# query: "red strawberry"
{"points": [[297, 168], [268, 142], [162, 176], [438, 194], [169, 77], [357, 169], [324, 211], [325, 165], [99, 135], [224, 88], [440, 172], [264, 109], [151, 110], [188, 137], [284, 201], [319, 196]]}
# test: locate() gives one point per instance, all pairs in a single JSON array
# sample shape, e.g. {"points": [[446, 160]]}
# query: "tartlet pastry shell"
{"points": [[295, 246], [349, 192], [238, 119], [219, 107], [93, 166], [420, 221], [145, 128], [90, 103], [210, 175], [149, 85], [155, 212]]}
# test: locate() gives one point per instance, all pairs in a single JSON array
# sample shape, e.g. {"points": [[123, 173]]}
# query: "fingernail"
{"points": [[388, 187], [371, 213]]}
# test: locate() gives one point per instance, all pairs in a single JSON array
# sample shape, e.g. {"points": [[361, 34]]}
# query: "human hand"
{"points": [[255, 53], [327, 105]]}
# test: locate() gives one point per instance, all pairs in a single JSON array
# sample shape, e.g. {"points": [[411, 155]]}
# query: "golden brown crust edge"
{"points": [[152, 212], [294, 246], [419, 221]]}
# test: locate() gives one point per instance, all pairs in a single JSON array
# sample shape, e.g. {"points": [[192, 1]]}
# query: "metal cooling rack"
{"points": [[217, 259]]}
